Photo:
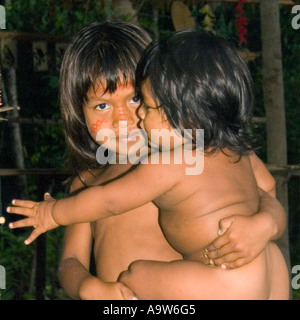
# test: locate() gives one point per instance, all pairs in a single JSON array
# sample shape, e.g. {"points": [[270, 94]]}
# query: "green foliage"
{"points": [[53, 17], [48, 17], [291, 69], [17, 260]]}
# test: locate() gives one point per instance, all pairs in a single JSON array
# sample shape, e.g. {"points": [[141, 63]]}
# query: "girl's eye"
{"points": [[135, 99], [101, 106]]}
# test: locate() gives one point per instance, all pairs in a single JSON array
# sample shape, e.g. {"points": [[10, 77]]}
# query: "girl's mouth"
{"points": [[129, 137]]}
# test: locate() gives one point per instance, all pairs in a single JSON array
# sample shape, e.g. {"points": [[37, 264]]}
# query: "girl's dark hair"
{"points": [[107, 50], [201, 82]]}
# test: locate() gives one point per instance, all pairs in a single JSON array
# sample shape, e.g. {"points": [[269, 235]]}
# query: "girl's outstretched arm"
{"points": [[242, 238]]}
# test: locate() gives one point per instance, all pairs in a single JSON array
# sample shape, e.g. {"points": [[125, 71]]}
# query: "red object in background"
{"points": [[241, 21]]}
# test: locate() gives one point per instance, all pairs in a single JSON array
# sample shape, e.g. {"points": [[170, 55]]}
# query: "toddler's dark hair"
{"points": [[201, 82]]}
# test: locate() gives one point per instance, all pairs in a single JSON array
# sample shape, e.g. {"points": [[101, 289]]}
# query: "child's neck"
{"points": [[115, 171]]}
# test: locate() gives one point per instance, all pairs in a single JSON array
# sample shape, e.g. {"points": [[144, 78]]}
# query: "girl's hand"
{"points": [[137, 277], [95, 289], [39, 216], [241, 239]]}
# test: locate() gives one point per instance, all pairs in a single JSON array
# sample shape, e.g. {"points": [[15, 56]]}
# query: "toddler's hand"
{"points": [[39, 216]]}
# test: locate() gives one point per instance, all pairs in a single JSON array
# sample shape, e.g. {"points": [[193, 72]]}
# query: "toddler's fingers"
{"points": [[28, 222], [24, 203], [20, 210], [34, 234]]}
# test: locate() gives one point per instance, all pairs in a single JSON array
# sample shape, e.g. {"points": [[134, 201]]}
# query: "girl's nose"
{"points": [[123, 115]]}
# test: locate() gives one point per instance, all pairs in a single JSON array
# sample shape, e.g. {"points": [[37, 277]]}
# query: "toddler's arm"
{"points": [[138, 187]]}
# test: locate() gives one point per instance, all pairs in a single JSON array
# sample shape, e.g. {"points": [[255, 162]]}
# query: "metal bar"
{"points": [[60, 122], [35, 121], [287, 2], [291, 169], [34, 171], [27, 36]]}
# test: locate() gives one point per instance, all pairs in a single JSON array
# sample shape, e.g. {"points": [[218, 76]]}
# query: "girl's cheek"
{"points": [[97, 125]]}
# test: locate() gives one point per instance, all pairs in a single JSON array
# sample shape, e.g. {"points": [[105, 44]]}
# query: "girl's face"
{"points": [[114, 111], [155, 118]]}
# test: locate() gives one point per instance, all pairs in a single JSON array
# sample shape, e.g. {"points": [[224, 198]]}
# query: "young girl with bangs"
{"points": [[190, 81]]}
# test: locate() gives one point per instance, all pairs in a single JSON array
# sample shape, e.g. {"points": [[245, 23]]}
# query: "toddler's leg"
{"points": [[181, 280]]}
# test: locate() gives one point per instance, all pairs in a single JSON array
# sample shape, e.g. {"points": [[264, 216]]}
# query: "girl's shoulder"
{"points": [[84, 179]]}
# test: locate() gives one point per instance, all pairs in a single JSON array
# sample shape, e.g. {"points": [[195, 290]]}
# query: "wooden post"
{"points": [[10, 96], [274, 103], [124, 9], [40, 280]]}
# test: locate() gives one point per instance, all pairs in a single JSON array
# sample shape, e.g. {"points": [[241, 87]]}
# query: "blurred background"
{"points": [[33, 38]]}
